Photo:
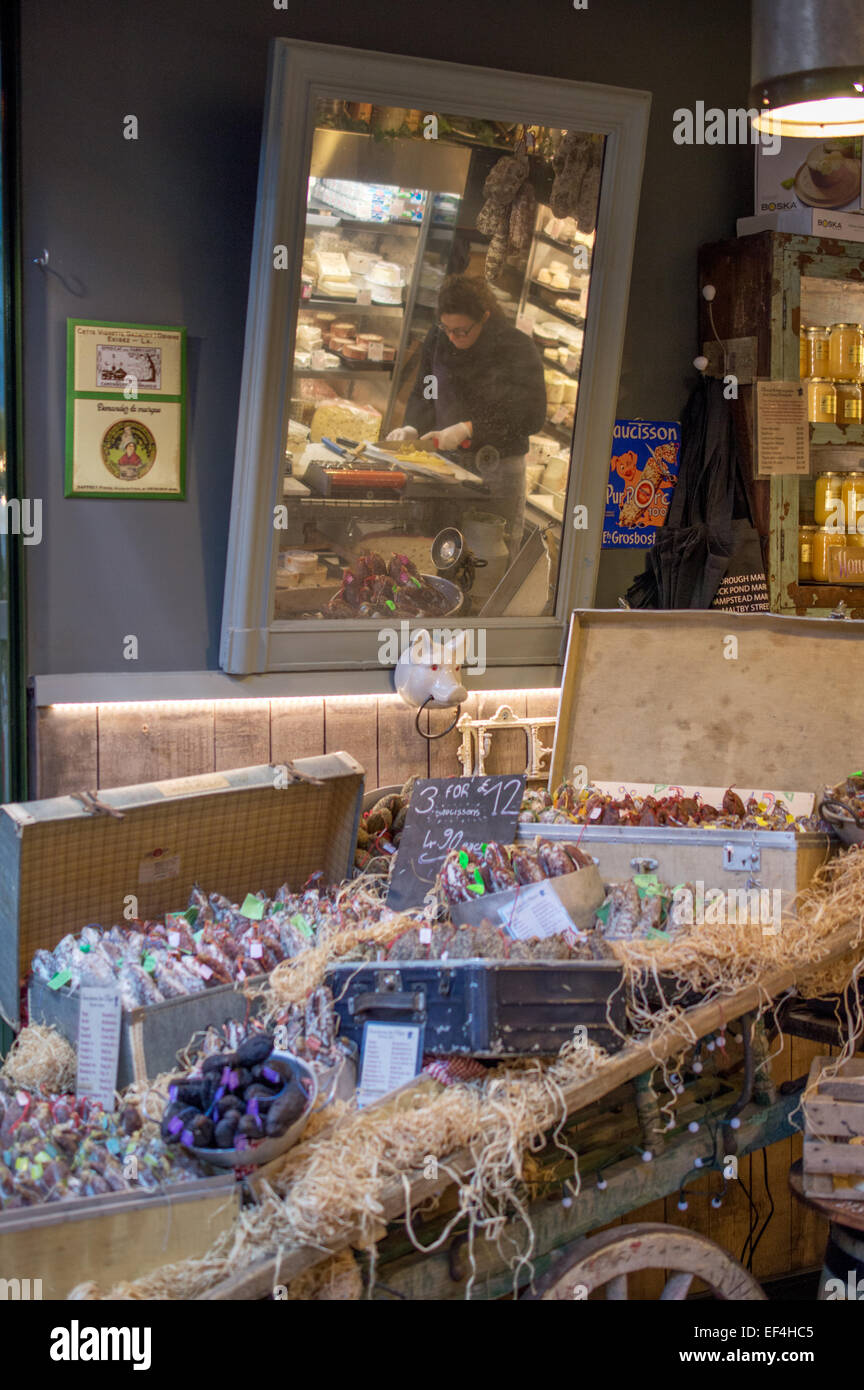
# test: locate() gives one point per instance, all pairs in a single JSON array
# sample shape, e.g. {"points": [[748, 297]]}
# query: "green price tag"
{"points": [[655, 934], [301, 923], [191, 915], [415, 581], [463, 858], [43, 1157], [36, 1171], [197, 935], [21, 1164], [60, 979], [602, 913], [253, 908], [388, 603], [478, 886], [149, 964], [85, 947], [647, 885]]}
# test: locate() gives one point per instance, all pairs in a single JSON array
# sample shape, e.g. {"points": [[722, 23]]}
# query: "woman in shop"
{"points": [[479, 393]]}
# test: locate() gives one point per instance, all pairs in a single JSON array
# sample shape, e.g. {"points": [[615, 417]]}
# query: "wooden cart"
{"points": [[565, 1263]]}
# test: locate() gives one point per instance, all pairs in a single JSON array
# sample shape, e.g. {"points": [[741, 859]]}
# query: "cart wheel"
{"points": [[608, 1258]]}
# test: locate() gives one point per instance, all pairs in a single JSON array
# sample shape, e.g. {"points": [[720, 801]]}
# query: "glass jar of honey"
{"points": [[821, 401], [828, 498], [805, 553], [853, 501], [848, 402], [822, 541], [817, 351], [845, 351], [803, 354]]}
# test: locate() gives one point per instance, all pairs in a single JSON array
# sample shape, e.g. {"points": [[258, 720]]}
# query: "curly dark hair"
{"points": [[468, 295]]}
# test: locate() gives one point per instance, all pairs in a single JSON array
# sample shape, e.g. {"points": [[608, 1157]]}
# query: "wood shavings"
{"points": [[41, 1059]]}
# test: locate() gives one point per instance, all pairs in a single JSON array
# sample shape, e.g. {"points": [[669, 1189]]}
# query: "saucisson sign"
{"points": [[451, 813]]}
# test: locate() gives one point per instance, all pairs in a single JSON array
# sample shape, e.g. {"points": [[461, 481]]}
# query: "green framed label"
{"points": [[125, 410]]}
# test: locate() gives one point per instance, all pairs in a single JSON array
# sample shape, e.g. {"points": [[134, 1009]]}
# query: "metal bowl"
{"points": [[451, 592], [265, 1150], [842, 821]]}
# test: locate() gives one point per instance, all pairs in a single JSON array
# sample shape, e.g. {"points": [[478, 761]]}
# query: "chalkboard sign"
{"points": [[451, 813]]}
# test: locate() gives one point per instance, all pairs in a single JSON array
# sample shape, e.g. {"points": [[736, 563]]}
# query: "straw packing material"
{"points": [[41, 1059]]}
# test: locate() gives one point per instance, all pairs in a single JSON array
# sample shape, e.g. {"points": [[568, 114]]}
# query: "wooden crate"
{"points": [[834, 1130], [122, 1235]]}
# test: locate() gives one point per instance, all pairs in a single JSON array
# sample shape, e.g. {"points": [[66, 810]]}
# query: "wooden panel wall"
{"points": [[116, 745], [109, 745]]}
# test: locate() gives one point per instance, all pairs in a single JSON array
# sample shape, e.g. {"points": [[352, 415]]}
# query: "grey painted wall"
{"points": [[159, 231]]}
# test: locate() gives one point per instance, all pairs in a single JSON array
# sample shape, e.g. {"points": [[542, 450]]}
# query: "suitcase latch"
{"points": [[742, 858]]}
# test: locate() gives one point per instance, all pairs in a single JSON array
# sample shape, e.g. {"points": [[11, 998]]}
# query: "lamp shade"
{"points": [[807, 67]]}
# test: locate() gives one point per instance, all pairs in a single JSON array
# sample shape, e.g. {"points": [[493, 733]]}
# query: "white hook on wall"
{"points": [[41, 260]]}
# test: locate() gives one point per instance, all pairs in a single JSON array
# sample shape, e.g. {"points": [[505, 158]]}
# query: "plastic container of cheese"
{"points": [[343, 418]]}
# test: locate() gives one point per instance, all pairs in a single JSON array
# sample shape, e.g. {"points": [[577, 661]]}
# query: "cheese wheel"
{"points": [[343, 329], [369, 338], [355, 352]]}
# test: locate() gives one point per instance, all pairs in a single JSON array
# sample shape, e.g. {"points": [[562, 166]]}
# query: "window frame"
{"points": [[301, 74]]}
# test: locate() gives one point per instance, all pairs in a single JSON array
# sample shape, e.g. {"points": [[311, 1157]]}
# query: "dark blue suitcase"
{"points": [[483, 1008]]}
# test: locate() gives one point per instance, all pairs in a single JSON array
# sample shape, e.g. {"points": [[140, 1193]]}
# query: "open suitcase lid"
{"points": [[710, 698], [63, 866]]}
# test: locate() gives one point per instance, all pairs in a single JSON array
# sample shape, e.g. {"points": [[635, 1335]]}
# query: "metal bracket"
{"points": [[742, 858]]}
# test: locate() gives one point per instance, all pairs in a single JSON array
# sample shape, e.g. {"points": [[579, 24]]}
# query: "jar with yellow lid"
{"points": [[821, 401], [827, 499], [848, 402], [853, 501], [817, 351], [805, 553], [845, 351], [822, 541]]}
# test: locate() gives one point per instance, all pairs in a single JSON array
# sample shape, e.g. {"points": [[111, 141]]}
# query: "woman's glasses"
{"points": [[457, 333]]}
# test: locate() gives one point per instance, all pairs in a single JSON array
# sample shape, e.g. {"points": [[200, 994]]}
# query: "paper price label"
{"points": [[319, 359], [375, 352], [173, 938], [364, 296], [256, 950]]}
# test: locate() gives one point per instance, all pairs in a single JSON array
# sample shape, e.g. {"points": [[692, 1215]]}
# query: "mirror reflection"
{"points": [[438, 348]]}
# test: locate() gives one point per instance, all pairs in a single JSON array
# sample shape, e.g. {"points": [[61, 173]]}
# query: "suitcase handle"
{"points": [[388, 1001]]}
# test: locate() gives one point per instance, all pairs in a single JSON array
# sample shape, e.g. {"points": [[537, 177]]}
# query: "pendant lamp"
{"points": [[807, 67]]}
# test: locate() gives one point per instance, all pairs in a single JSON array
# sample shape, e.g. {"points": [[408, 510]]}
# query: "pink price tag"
{"points": [[425, 935], [173, 938], [256, 950], [204, 970], [596, 813]]}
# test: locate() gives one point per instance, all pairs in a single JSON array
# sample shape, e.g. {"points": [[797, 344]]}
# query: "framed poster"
{"points": [[125, 410], [642, 474]]}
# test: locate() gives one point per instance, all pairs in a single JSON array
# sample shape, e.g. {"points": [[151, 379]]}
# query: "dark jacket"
{"points": [[497, 384]]}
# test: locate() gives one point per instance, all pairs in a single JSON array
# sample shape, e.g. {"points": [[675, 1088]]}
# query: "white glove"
{"points": [[449, 438], [400, 436]]}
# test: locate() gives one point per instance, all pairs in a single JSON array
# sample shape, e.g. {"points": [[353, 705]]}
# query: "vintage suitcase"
{"points": [[708, 699], [484, 1008], [62, 867], [111, 1238]]}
